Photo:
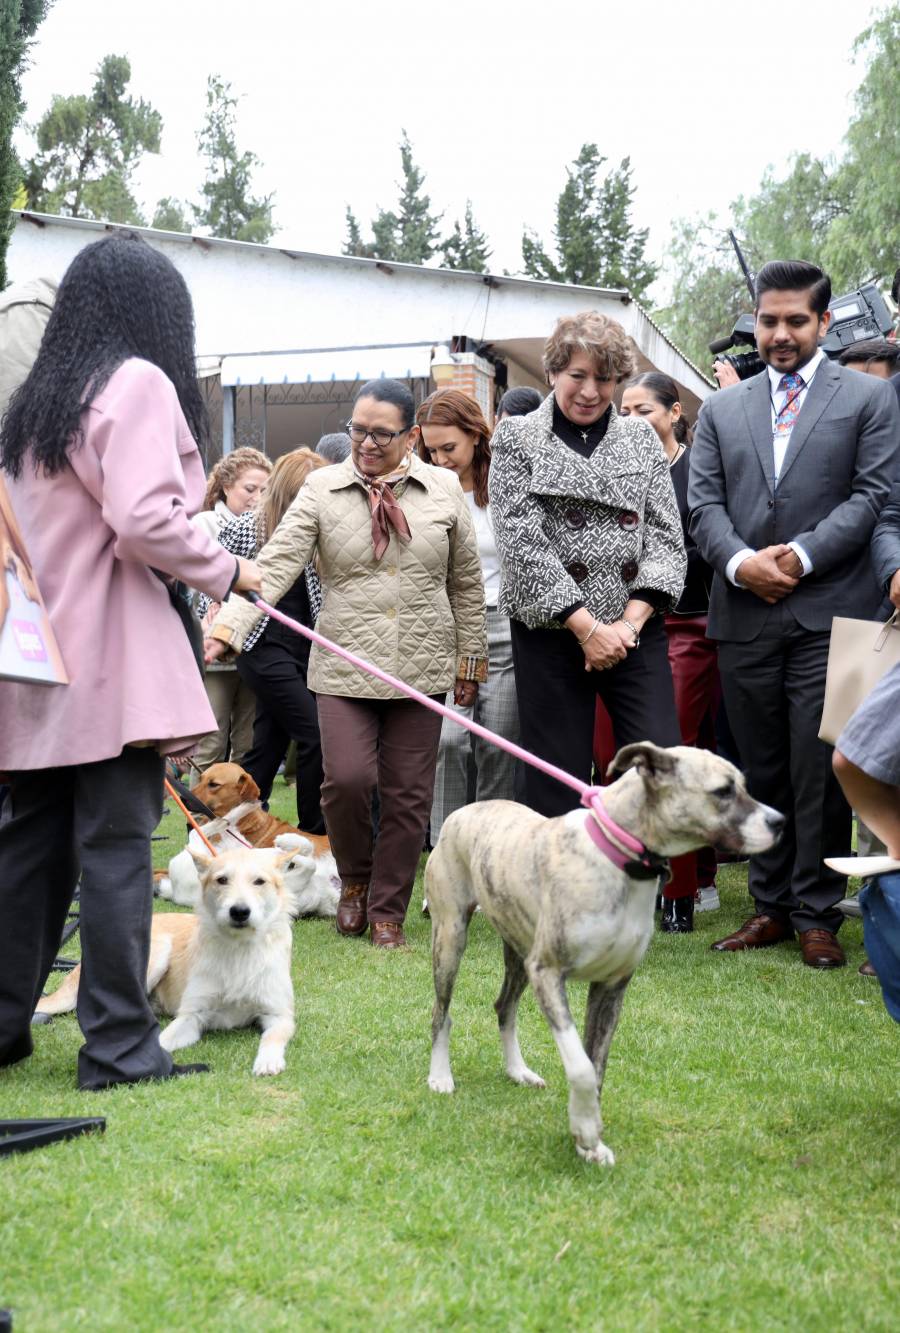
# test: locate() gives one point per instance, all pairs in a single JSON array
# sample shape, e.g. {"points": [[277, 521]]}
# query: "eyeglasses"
{"points": [[380, 438]]}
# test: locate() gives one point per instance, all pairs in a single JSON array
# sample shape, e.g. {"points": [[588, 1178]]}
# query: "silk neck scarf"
{"points": [[386, 512]]}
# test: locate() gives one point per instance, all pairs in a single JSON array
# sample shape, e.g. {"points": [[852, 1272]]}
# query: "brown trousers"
{"points": [[390, 744]]}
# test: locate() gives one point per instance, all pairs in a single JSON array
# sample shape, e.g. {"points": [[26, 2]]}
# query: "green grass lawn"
{"points": [[751, 1102]]}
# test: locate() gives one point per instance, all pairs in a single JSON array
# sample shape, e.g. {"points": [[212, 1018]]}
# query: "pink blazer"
{"points": [[92, 532]]}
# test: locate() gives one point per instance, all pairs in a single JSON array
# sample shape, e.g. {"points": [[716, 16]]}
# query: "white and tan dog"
{"points": [[228, 966], [311, 881], [564, 910]]}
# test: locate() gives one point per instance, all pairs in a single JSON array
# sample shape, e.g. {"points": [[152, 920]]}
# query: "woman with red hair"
{"points": [[455, 435]]}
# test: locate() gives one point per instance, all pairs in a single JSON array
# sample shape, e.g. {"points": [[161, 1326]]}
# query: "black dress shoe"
{"points": [[677, 916], [177, 1071]]}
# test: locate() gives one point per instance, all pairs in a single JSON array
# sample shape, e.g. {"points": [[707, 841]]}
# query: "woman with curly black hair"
{"points": [[100, 448]]}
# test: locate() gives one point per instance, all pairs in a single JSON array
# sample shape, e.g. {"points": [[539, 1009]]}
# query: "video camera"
{"points": [[854, 317]]}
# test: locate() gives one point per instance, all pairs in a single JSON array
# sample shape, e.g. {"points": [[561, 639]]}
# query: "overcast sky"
{"points": [[496, 97]]}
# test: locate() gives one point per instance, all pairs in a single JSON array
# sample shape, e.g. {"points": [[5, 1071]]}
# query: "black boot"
{"points": [[677, 916]]}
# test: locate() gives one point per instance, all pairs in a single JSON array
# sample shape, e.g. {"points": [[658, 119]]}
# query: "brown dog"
{"points": [[223, 787]]}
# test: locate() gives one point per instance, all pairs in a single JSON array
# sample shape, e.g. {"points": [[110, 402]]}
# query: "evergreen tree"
{"points": [[385, 243], [417, 226], [466, 247], [597, 244], [170, 215], [229, 210], [19, 20], [621, 244], [409, 235], [354, 244], [88, 147]]}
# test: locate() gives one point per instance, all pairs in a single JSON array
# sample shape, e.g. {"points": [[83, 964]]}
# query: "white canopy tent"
{"points": [[284, 337]]}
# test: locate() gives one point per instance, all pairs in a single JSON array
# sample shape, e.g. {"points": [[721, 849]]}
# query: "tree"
{"points": [[597, 244], [841, 215], [88, 147], [466, 247], [709, 291], [863, 242], [417, 226], [19, 20], [622, 245], [229, 210], [354, 244], [409, 235], [170, 215], [791, 218]]}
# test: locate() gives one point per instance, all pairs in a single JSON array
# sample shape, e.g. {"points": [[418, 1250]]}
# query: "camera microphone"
{"points": [[721, 344]]}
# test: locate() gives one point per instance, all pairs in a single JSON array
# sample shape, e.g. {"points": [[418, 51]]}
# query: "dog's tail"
{"points": [[64, 998]]}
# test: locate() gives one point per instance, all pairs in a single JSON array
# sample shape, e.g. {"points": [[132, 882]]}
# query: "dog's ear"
{"points": [[653, 763], [247, 788], [202, 859]]}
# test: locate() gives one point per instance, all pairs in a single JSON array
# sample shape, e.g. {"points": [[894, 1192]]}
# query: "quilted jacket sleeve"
{"points": [[663, 562], [537, 585], [281, 561], [465, 589]]}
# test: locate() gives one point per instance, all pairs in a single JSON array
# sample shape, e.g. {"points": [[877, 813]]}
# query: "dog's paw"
{"points": [[163, 888], [268, 1063], [599, 1154], [526, 1077], [441, 1083]]}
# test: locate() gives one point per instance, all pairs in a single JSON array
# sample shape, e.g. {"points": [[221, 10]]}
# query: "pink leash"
{"points": [[621, 847]]}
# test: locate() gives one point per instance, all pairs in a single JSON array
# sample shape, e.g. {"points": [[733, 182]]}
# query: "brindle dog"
{"points": [[563, 909]]}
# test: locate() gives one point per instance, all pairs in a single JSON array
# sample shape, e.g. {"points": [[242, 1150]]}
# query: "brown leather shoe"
{"points": [[867, 970], [388, 935], [351, 912], [757, 933], [821, 949]]}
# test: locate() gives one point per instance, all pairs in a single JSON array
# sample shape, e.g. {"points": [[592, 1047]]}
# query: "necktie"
{"points": [[785, 419]]}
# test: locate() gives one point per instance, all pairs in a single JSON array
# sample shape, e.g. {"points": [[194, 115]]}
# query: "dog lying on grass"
{"points": [[228, 966], [224, 787], [311, 881], [564, 909]]}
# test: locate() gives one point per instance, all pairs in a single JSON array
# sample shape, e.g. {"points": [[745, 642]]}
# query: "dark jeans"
{"points": [[286, 711], [880, 903], [95, 819], [774, 690], [557, 702], [391, 744]]}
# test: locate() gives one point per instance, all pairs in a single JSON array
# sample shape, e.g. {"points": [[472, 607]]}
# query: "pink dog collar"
{"points": [[618, 845]]}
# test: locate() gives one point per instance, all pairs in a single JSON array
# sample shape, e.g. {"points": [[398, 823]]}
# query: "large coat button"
{"points": [[575, 518], [628, 520], [579, 571], [630, 570]]}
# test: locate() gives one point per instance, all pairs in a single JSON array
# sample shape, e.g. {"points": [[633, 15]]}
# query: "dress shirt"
{"points": [[780, 442]]}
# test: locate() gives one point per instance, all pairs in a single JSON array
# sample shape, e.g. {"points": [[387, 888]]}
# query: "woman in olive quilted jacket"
{"points": [[401, 587]]}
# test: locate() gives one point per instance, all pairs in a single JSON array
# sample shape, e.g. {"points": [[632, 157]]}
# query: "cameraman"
{"points": [[789, 471]]}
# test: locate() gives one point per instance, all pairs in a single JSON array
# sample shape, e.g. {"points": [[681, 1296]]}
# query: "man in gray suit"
{"points": [[789, 471]]}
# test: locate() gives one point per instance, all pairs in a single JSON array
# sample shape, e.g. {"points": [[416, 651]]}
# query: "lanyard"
{"points": [[789, 400]]}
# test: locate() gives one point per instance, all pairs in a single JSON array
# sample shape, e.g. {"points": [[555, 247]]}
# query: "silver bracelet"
{"points": [[634, 630], [583, 641]]}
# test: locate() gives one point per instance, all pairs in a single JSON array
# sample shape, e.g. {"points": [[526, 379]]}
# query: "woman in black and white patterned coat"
{"points": [[592, 556]]}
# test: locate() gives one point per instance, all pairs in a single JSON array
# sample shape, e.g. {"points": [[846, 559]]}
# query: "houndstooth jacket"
{"points": [[591, 530]]}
